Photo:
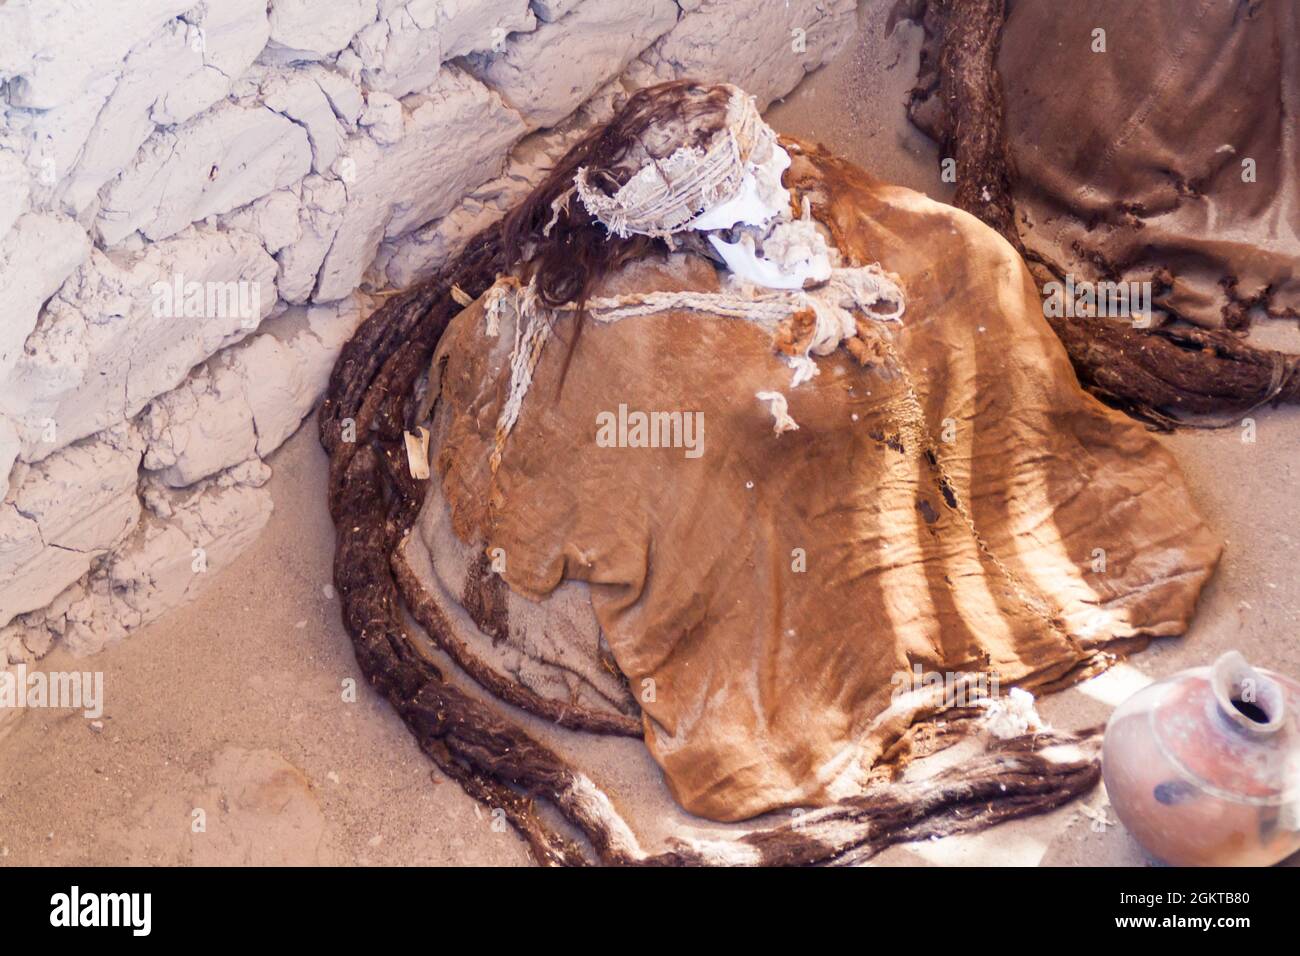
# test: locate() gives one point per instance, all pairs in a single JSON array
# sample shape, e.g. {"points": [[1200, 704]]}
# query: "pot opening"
{"points": [[1252, 711], [1247, 697]]}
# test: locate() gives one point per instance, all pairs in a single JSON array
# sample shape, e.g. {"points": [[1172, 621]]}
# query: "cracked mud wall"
{"points": [[199, 203]]}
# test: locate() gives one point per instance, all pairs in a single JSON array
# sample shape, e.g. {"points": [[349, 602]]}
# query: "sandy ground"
{"points": [[229, 736]]}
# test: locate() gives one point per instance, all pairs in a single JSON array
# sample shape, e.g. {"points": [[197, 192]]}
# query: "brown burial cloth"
{"points": [[956, 504], [1175, 150]]}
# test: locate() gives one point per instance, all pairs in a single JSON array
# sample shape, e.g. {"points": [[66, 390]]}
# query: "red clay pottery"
{"points": [[1203, 768]]}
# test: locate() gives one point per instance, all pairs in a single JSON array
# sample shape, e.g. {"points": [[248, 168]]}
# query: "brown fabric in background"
{"points": [[1130, 161], [771, 687]]}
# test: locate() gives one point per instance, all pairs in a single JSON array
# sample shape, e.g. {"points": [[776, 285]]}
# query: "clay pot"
{"points": [[1203, 768]]}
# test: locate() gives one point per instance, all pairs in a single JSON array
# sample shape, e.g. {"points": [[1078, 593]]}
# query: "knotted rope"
{"points": [[859, 289]]}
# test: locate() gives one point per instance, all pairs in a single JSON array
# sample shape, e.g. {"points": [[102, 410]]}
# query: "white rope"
{"points": [[558, 205], [780, 409], [497, 300], [531, 334], [858, 289]]}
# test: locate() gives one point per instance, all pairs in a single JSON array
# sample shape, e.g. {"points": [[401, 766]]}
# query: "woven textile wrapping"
{"points": [[1183, 157], [950, 503]]}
